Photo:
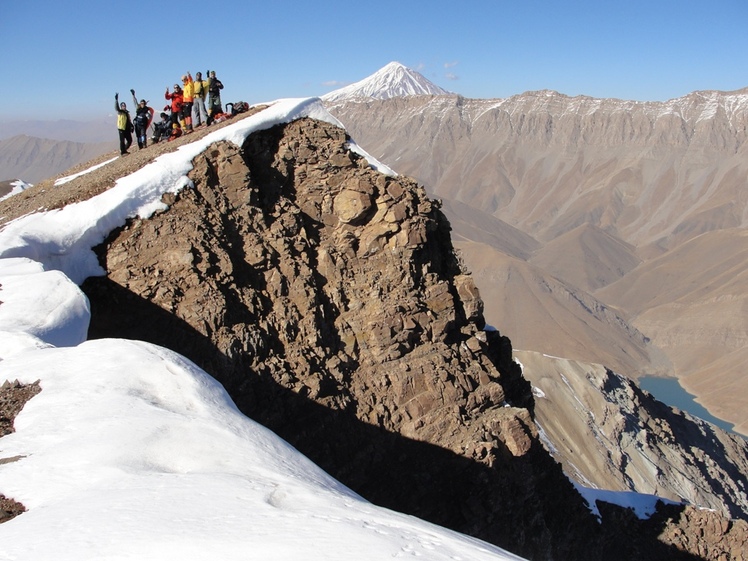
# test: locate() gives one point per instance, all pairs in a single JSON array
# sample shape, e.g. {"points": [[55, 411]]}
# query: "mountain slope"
{"points": [[692, 301], [609, 434], [651, 175], [547, 163], [534, 306], [469, 224], [33, 159], [587, 257]]}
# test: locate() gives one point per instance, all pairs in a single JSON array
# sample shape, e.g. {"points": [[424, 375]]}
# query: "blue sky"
{"points": [[66, 59]]}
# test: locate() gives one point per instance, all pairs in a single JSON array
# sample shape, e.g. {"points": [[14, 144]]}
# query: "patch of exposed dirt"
{"points": [[13, 396], [9, 508]]}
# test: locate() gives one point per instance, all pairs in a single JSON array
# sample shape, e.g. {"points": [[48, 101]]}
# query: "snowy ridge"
{"points": [[131, 451], [394, 80], [148, 458], [697, 111], [694, 107]]}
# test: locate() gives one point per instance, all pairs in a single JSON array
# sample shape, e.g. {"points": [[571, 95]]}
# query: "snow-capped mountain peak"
{"points": [[393, 80]]}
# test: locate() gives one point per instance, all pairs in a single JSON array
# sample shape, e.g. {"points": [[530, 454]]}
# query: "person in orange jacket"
{"points": [[177, 100], [188, 100]]}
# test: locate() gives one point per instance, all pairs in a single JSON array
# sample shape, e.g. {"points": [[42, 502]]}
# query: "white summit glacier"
{"points": [[393, 80]]}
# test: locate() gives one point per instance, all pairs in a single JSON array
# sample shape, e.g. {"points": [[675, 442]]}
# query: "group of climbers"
{"points": [[183, 100], [191, 95]]}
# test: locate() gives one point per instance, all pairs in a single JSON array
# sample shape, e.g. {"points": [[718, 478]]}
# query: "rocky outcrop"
{"points": [[610, 434], [706, 535], [328, 300], [677, 532]]}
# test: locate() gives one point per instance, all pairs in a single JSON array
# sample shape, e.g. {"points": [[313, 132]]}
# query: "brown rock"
{"points": [[351, 206]]}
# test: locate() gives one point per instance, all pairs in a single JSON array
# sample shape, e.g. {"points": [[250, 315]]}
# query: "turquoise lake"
{"points": [[670, 392]]}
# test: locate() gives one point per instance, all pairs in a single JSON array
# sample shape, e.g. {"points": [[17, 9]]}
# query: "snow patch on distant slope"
{"points": [[68, 178], [17, 186]]}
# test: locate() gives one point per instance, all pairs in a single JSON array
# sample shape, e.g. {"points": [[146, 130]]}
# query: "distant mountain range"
{"points": [[33, 159], [600, 230], [86, 130]]}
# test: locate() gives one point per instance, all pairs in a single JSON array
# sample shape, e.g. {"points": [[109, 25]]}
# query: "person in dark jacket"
{"points": [[143, 118], [124, 125], [162, 129], [214, 92]]}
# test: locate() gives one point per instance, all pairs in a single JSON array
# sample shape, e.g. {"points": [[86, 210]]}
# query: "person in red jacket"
{"points": [[177, 100]]}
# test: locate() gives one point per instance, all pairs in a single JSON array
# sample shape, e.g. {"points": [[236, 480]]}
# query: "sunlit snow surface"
{"points": [[69, 178], [132, 452]]}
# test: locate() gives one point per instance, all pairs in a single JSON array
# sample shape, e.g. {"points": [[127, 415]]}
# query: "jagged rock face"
{"points": [[328, 300], [610, 434], [702, 534], [688, 534], [314, 302]]}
